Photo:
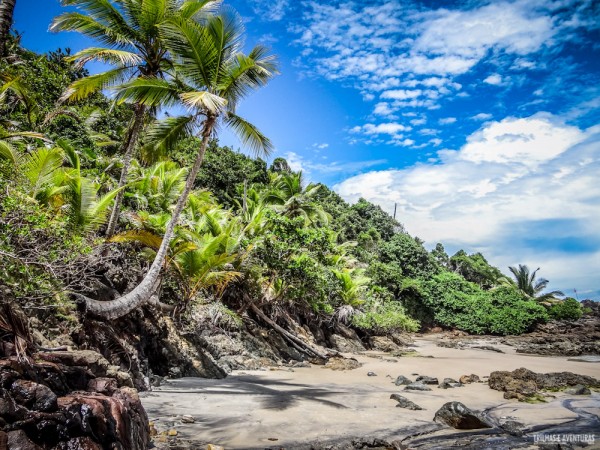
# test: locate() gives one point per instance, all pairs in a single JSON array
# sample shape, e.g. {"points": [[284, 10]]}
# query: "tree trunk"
{"points": [[7, 9], [127, 151], [305, 346], [143, 292]]}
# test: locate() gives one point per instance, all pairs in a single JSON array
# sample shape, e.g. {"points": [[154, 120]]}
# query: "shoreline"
{"points": [[315, 407]]}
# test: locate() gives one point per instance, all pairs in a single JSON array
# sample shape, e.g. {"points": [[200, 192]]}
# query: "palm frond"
{"points": [[249, 134]]}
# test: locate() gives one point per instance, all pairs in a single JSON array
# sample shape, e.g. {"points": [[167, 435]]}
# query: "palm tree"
{"points": [[528, 285], [213, 76], [292, 199], [130, 32], [7, 9]]}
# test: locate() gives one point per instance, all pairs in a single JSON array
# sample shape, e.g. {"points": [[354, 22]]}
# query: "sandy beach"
{"points": [[283, 407]]}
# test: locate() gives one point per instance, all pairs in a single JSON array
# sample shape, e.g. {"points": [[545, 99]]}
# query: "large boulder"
{"points": [[458, 416], [523, 383]]}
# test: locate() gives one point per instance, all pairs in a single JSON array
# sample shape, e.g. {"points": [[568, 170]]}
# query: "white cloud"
{"points": [[494, 79], [320, 146], [308, 167], [391, 128], [501, 193], [273, 10], [482, 116], [447, 120]]}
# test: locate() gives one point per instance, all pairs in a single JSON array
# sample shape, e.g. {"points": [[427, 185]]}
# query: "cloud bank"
{"points": [[521, 190]]}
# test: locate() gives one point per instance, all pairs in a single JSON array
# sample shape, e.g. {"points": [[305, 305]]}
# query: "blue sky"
{"points": [[481, 120]]}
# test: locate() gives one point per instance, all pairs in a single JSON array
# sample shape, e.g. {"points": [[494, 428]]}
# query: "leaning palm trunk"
{"points": [[127, 151], [7, 8], [143, 292]]}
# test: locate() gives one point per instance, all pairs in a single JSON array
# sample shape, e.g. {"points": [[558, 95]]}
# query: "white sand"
{"points": [[279, 407]]}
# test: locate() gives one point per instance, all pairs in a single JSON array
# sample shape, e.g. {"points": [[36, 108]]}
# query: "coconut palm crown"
{"points": [[212, 76], [527, 283], [129, 31]]}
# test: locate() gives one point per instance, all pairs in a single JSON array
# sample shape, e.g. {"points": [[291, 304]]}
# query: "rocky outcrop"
{"points": [[561, 338], [58, 403], [523, 383], [458, 416]]}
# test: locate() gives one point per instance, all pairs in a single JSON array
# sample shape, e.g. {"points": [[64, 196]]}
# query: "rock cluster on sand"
{"points": [[457, 415], [69, 400], [523, 383]]}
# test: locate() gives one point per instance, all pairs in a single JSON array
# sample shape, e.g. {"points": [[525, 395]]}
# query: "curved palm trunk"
{"points": [[7, 9], [143, 292], [127, 150]]}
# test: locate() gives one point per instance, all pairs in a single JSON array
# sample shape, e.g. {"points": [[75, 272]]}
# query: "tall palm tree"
{"points": [[213, 76], [7, 9], [130, 33], [527, 284]]}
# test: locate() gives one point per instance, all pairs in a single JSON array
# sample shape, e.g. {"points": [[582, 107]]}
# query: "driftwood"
{"points": [[295, 340]]}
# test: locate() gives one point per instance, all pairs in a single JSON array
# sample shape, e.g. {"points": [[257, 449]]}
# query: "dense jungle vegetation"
{"points": [[94, 175]]}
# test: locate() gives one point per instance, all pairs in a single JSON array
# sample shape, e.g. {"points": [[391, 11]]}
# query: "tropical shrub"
{"points": [[568, 309]]}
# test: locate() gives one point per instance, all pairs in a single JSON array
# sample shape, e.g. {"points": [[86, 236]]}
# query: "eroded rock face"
{"points": [[458, 416], [44, 405], [522, 383]]}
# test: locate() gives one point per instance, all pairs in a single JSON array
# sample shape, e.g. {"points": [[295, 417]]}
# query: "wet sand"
{"points": [[282, 408]]}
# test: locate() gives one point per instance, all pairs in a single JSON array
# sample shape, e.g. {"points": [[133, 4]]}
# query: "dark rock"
{"points": [[513, 427], [417, 387], [488, 347], [579, 389], [18, 440], [34, 396], [106, 386], [384, 344], [449, 383], [467, 379], [427, 380], [371, 374], [403, 402], [79, 443], [458, 416], [402, 381], [522, 383]]}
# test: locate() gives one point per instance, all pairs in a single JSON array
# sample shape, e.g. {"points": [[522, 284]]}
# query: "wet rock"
{"points": [[579, 389], [401, 380], [458, 416], [403, 402], [467, 379], [34, 396], [417, 387], [426, 380], [371, 374], [188, 419]]}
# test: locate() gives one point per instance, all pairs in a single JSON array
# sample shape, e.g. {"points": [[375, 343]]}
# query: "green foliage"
{"points": [[567, 309], [223, 169], [475, 268], [383, 315], [462, 304], [410, 255]]}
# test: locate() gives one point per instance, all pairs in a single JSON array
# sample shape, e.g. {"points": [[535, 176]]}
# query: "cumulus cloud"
{"points": [[482, 116], [520, 190], [409, 58], [273, 10]]}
